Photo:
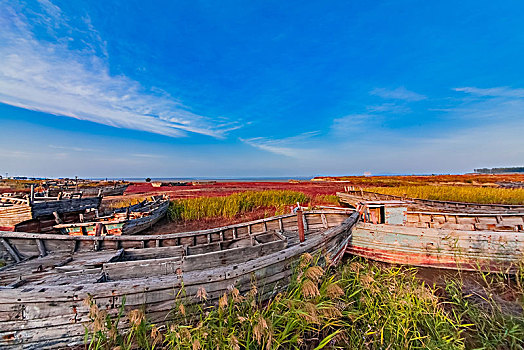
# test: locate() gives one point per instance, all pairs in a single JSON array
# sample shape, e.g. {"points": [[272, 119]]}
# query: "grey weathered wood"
{"points": [[10, 250], [324, 220], [41, 247]]}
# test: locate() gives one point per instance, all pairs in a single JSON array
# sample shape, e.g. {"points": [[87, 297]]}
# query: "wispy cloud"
{"points": [[51, 77], [351, 123], [389, 108], [493, 92], [491, 105], [400, 93], [72, 148], [147, 155], [290, 146]]}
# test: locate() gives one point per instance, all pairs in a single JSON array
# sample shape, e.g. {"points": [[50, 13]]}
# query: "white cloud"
{"points": [[289, 146], [147, 155], [72, 148], [351, 123], [491, 105], [50, 77], [493, 92], [389, 108], [400, 93]]}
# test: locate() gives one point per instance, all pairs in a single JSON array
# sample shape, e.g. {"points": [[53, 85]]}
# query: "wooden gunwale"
{"points": [[47, 236]]}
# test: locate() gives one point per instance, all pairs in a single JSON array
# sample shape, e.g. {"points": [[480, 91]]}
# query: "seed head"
{"points": [[202, 294], [314, 273], [222, 302], [233, 342], [309, 289], [334, 291]]}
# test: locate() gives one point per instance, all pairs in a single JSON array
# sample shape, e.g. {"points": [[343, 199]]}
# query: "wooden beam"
{"points": [[10, 250], [57, 218], [324, 220], [41, 247]]}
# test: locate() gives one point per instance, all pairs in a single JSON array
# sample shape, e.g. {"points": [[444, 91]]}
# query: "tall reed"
{"points": [[360, 305], [229, 206]]}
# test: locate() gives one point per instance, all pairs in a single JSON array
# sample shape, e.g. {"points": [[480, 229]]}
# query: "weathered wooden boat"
{"points": [[90, 191], [354, 197], [39, 214], [389, 232], [41, 302], [124, 221]]}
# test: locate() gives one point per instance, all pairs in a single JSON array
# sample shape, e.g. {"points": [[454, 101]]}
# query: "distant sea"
{"points": [[189, 179]]}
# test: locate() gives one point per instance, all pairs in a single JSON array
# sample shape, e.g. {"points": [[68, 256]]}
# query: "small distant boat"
{"points": [[124, 221], [39, 214], [89, 191]]}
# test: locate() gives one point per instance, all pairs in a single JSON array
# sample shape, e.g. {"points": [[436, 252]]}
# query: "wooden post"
{"points": [[300, 222], [32, 198], [98, 229]]}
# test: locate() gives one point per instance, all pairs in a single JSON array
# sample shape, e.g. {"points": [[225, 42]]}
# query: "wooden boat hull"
{"points": [[353, 198], [494, 251], [39, 215], [53, 316], [105, 191], [116, 226]]}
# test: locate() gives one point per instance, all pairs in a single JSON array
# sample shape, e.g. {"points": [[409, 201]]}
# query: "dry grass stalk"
{"points": [[309, 289], [202, 294], [310, 313], [260, 329], [314, 273], [222, 302], [334, 291], [136, 317], [305, 260], [182, 309], [233, 342]]}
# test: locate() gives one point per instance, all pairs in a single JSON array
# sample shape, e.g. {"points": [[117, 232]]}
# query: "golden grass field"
{"points": [[485, 195]]}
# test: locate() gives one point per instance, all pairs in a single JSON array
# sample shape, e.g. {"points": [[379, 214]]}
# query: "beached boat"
{"points": [[39, 214], [391, 233], [354, 197], [90, 191], [41, 302], [124, 221]]}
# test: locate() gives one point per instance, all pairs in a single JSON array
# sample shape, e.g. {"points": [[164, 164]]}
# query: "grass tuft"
{"points": [[360, 305], [232, 205]]}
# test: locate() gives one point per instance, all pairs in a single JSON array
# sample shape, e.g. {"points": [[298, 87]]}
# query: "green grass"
{"points": [[360, 305], [485, 195], [326, 199], [232, 205]]}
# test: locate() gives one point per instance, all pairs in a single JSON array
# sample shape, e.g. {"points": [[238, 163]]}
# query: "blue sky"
{"points": [[236, 89]]}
